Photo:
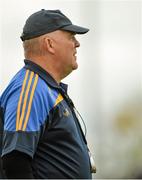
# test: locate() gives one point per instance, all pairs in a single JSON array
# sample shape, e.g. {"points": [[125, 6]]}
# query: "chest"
{"points": [[63, 125]]}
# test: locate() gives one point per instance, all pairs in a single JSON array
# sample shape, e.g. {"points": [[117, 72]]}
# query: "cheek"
{"points": [[66, 51]]}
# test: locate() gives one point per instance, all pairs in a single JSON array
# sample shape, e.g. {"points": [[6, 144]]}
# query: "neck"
{"points": [[48, 65]]}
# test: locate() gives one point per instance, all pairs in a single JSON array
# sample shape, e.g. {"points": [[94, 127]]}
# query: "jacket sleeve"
{"points": [[17, 165], [26, 109]]}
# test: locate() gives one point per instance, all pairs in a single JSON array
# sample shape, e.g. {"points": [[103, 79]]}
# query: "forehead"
{"points": [[67, 32], [60, 34]]}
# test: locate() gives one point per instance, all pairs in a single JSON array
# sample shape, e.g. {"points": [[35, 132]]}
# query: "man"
{"points": [[42, 137]]}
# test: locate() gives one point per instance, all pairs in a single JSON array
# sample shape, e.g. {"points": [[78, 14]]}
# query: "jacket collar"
{"points": [[44, 75]]}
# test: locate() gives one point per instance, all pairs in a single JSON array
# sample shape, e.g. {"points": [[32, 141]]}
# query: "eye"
{"points": [[73, 37]]}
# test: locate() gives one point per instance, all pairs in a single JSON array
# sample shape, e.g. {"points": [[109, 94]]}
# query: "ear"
{"points": [[49, 43]]}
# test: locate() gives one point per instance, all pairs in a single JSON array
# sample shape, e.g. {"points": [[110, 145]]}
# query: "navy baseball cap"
{"points": [[46, 21]]}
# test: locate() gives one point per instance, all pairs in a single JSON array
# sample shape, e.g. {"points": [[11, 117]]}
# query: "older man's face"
{"points": [[65, 46]]}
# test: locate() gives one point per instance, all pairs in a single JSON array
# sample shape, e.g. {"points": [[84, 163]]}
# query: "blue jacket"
{"points": [[39, 120]]}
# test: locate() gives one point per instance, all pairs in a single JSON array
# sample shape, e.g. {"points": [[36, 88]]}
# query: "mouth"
{"points": [[75, 53]]}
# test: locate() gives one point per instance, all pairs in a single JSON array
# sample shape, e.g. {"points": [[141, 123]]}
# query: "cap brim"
{"points": [[75, 29]]}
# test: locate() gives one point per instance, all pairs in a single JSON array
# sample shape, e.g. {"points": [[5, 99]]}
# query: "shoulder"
{"points": [[24, 84], [27, 98]]}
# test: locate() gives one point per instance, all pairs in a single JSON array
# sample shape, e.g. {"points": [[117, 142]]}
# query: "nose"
{"points": [[77, 44]]}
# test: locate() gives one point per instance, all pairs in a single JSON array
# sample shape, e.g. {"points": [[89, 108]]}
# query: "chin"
{"points": [[75, 66]]}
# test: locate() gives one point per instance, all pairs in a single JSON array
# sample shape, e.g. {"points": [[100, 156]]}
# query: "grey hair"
{"points": [[33, 47]]}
